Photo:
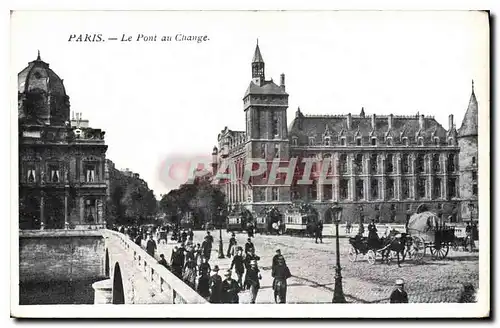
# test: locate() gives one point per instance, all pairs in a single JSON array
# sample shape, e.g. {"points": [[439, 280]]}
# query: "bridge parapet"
{"points": [[142, 279]]}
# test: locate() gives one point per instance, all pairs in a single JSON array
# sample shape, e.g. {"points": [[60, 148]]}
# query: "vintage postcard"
{"points": [[264, 164]]}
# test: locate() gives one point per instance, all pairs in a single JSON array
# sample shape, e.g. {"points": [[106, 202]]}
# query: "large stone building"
{"points": [[61, 161], [383, 166]]}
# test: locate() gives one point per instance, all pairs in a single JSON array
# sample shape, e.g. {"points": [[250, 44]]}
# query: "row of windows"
{"points": [[390, 167], [405, 141], [54, 173]]}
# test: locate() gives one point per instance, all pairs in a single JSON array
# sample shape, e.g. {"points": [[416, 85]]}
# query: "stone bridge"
{"points": [[136, 278]]}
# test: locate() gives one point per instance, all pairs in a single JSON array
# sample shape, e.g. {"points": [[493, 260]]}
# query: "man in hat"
{"points": [[275, 259], [252, 280], [209, 238], [230, 289], [151, 246], [162, 261], [280, 273], [319, 232], [249, 245], [238, 264], [177, 261], [206, 248], [251, 256], [399, 294], [232, 243], [215, 283]]}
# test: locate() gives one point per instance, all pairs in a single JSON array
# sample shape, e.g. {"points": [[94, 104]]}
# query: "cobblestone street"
{"points": [[313, 269]]}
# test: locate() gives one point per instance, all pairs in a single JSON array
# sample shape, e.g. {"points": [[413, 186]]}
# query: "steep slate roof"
{"points": [[402, 126], [257, 57], [469, 123], [267, 88]]}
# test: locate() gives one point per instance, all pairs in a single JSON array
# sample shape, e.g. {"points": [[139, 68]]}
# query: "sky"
{"points": [[158, 100]]}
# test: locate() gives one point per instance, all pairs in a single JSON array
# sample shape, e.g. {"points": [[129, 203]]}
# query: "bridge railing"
{"points": [[160, 277]]}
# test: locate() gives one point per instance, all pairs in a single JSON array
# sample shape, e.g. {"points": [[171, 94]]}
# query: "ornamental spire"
{"points": [[38, 57]]}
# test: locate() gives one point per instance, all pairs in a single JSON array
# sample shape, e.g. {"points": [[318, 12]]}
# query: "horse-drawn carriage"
{"points": [[239, 219], [428, 232], [372, 249]]}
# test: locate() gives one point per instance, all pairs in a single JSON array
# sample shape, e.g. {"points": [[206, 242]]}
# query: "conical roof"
{"points": [[257, 57], [469, 123]]}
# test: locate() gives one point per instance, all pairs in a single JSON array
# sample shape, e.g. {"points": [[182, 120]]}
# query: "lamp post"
{"points": [[221, 246], [338, 293]]}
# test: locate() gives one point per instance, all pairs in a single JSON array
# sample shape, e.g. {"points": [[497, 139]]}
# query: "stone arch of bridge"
{"points": [[118, 293]]}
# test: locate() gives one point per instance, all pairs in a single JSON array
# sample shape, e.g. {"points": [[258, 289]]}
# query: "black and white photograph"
{"points": [[295, 163]]}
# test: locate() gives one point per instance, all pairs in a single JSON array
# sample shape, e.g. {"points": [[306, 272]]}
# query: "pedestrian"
{"points": [[372, 235], [190, 253], [249, 245], [215, 283], [250, 229], [203, 282], [361, 229], [162, 261], [238, 264], [252, 280], [184, 236], [348, 226], [209, 238], [399, 294], [138, 239], [319, 232], [280, 273], [189, 273], [177, 261], [191, 234], [151, 246], [230, 289], [275, 258], [206, 247], [251, 256], [232, 243]]}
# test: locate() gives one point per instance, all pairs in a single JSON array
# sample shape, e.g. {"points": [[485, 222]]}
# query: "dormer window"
{"points": [[420, 141], [311, 141], [436, 141], [327, 141], [374, 141], [405, 141], [389, 141], [294, 141], [358, 141], [450, 141], [342, 141]]}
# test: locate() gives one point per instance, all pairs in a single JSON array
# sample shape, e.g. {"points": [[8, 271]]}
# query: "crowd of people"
{"points": [[190, 262]]}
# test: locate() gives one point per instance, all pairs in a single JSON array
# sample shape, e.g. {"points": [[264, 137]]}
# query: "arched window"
{"points": [[374, 141], [311, 141], [342, 141], [420, 141], [358, 141], [294, 141], [436, 141], [405, 163], [327, 141]]}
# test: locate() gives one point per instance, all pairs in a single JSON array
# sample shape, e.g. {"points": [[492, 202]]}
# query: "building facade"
{"points": [[62, 180], [380, 167]]}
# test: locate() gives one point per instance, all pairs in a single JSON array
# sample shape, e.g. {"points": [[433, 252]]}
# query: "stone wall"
{"points": [[60, 255]]}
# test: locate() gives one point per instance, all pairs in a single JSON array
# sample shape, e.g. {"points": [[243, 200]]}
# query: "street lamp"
{"points": [[221, 247], [338, 293]]}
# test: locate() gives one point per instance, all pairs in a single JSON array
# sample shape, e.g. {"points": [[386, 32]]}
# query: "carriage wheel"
{"points": [[440, 252], [353, 254], [418, 249], [371, 256]]}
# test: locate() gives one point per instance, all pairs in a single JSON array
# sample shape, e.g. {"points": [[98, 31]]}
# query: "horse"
{"points": [[395, 244]]}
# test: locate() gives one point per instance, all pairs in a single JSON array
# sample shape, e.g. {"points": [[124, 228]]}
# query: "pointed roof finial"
{"points": [[472, 85], [38, 57], [257, 57], [257, 41], [362, 114]]}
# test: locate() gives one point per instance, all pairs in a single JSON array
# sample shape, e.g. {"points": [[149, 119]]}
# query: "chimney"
{"points": [[421, 122], [450, 122], [282, 80], [72, 115], [373, 121], [389, 121], [349, 121]]}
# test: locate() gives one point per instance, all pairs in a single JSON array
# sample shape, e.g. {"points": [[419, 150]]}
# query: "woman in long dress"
{"points": [[203, 282], [189, 273]]}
